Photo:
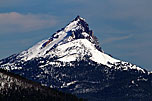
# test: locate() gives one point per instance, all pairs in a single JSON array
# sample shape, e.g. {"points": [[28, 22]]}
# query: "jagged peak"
{"points": [[79, 18], [76, 29], [78, 23], [71, 41]]}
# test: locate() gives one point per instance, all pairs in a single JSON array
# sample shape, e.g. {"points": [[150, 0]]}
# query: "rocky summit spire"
{"points": [[76, 30], [71, 60], [83, 23], [78, 17], [78, 26]]}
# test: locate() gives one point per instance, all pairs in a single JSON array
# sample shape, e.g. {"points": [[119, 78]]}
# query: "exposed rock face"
{"points": [[73, 61]]}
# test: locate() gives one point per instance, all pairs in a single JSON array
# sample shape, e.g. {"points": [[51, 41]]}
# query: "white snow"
{"points": [[132, 81], [39, 51], [10, 66], [68, 84], [142, 79], [150, 72], [85, 34], [70, 51], [71, 26], [83, 47]]}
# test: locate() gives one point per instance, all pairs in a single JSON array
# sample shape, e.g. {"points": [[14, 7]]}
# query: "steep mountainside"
{"points": [[73, 61], [16, 88]]}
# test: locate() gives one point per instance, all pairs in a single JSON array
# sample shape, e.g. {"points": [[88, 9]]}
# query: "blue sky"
{"points": [[124, 27]]}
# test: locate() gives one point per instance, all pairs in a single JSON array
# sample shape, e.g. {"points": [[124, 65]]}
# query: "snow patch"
{"points": [[68, 84]]}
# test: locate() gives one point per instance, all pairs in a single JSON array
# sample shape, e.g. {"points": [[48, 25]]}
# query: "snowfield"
{"points": [[74, 42]]}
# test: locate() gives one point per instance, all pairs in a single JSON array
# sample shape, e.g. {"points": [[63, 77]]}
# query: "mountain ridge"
{"points": [[77, 33], [72, 61]]}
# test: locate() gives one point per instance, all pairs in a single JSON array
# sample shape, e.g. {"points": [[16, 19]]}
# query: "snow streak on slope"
{"points": [[38, 50]]}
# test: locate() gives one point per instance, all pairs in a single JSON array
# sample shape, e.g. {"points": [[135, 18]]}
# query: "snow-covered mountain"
{"points": [[71, 43], [66, 43], [73, 61]]}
